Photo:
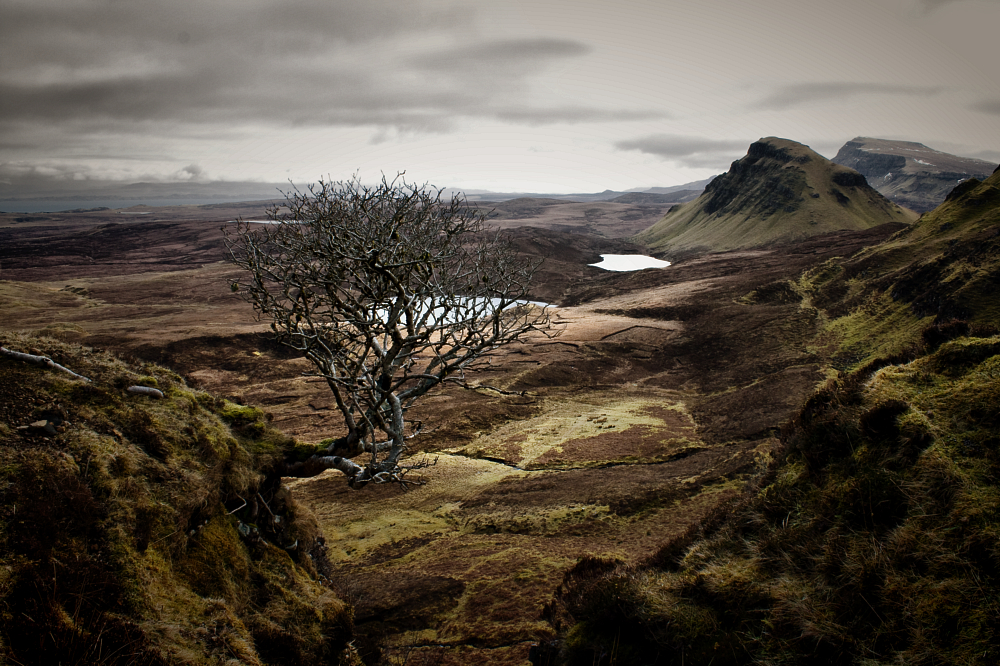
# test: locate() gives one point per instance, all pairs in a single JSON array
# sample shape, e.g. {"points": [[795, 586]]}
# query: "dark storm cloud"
{"points": [[808, 93], [116, 65], [689, 151]]}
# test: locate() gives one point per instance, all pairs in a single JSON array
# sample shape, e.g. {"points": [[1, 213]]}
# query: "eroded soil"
{"points": [[660, 393]]}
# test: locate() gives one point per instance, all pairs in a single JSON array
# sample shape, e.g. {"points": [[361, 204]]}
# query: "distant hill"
{"points": [[679, 196], [910, 174], [781, 190], [696, 186], [110, 191]]}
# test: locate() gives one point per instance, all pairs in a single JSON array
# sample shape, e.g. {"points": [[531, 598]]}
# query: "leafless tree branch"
{"points": [[388, 290]]}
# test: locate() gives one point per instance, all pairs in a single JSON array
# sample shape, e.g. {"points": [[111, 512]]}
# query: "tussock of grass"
{"points": [[150, 531]]}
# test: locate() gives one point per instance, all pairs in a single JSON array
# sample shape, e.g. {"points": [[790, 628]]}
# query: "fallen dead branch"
{"points": [[145, 390], [39, 360]]}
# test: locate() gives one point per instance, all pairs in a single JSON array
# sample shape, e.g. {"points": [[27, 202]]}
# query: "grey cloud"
{"points": [[931, 5], [191, 172], [513, 53], [31, 179], [806, 93], [690, 151], [990, 106], [573, 114], [92, 28], [152, 60], [296, 99], [118, 65]]}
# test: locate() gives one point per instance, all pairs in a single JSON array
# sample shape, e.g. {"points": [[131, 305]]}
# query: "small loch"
{"points": [[629, 262]]}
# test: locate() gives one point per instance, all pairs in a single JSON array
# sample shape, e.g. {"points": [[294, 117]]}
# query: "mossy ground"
{"points": [[590, 431], [875, 542], [471, 559], [454, 556], [873, 538], [122, 537]]}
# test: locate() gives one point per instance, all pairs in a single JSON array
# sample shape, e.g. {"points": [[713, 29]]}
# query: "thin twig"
{"points": [[237, 508]]}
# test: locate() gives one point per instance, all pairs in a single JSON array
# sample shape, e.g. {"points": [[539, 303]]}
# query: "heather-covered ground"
{"points": [[662, 392]]}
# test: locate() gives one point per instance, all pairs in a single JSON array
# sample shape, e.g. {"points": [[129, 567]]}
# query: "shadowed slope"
{"points": [[780, 191], [944, 267]]}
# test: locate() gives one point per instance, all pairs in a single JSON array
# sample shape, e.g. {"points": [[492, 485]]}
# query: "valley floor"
{"points": [[661, 393]]}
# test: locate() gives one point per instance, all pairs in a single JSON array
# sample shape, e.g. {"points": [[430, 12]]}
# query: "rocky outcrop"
{"points": [[908, 173], [758, 183]]}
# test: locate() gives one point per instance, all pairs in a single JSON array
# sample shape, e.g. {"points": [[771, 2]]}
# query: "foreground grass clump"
{"points": [[136, 530], [877, 541]]}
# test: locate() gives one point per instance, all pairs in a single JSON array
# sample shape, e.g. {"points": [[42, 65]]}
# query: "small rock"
{"points": [[43, 427]]}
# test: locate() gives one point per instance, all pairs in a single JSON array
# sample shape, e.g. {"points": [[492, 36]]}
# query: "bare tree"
{"points": [[389, 290]]}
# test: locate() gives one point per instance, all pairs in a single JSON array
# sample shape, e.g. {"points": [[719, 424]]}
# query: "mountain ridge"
{"points": [[781, 190], [909, 173]]}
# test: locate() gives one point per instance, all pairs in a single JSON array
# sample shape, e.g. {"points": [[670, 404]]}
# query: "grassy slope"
{"points": [[875, 540], [120, 533], [781, 190], [945, 267]]}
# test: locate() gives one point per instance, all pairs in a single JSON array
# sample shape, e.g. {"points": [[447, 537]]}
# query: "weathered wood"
{"points": [[39, 360], [145, 390]]}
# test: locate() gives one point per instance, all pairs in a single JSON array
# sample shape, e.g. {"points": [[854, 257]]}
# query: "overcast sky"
{"points": [[505, 95]]}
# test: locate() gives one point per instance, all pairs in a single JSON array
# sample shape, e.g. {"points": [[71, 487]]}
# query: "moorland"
{"points": [[681, 473]]}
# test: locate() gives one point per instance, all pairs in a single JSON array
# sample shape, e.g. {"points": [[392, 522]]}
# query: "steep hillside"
{"points": [[780, 191], [137, 529], [910, 174], [944, 268], [872, 538]]}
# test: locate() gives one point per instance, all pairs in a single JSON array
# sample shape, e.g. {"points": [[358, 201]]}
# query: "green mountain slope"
{"points": [[137, 530], [874, 537], [909, 174], [945, 267], [781, 190]]}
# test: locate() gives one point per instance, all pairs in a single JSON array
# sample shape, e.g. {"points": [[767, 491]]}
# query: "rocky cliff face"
{"points": [[910, 174], [780, 191], [759, 183]]}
